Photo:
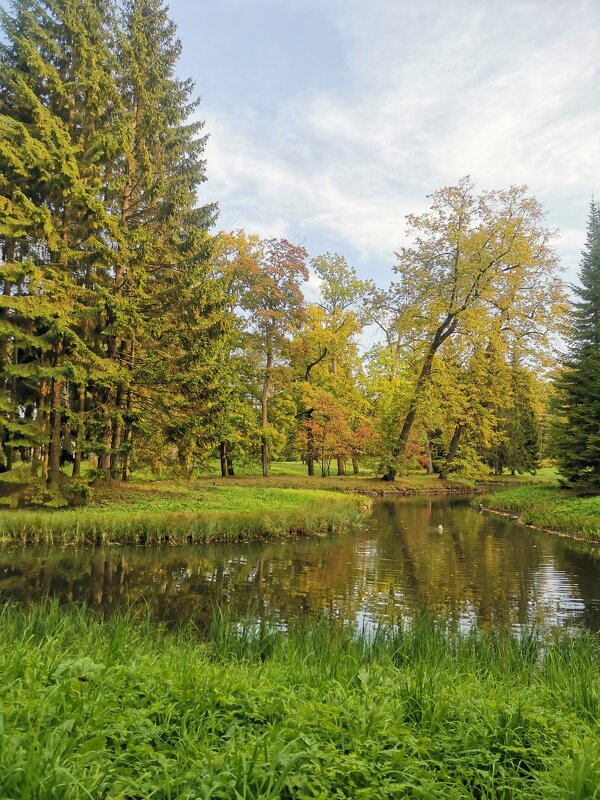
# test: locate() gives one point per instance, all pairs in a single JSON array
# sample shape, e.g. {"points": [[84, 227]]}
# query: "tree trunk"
{"points": [[9, 451], [55, 423], [310, 451], [311, 456], [127, 440], [125, 460], [45, 460], [128, 434], [104, 460], [230, 469], [79, 433], [409, 420], [445, 330], [428, 453], [341, 465], [223, 454], [9, 255], [264, 457], [54, 452], [117, 434], [452, 450], [42, 418], [26, 451], [264, 447], [355, 466]]}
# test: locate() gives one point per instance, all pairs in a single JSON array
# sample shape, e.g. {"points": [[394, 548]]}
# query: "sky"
{"points": [[331, 120]]}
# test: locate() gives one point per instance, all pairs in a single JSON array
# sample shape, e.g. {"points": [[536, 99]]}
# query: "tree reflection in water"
{"points": [[482, 570]]}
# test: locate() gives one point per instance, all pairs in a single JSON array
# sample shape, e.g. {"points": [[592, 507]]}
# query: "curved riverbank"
{"points": [[95, 709], [374, 487], [216, 510], [549, 509], [186, 513]]}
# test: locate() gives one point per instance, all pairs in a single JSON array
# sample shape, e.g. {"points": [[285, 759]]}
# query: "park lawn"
{"points": [[93, 708], [187, 512], [420, 483], [551, 508], [281, 469], [544, 475]]}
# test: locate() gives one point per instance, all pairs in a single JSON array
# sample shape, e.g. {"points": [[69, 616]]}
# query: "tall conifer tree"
{"points": [[169, 316], [109, 319], [578, 431], [56, 104]]}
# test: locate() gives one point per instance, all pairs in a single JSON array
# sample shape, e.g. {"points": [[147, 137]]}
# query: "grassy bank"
{"points": [[409, 485], [91, 710], [181, 513], [550, 508]]}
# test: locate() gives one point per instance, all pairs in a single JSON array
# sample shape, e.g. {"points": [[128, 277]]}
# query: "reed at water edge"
{"points": [[223, 514]]}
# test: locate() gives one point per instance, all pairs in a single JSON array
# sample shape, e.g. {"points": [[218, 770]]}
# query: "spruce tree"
{"points": [[109, 318], [168, 316], [521, 447], [56, 120], [578, 428]]}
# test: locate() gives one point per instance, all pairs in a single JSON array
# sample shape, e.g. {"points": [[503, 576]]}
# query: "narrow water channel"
{"points": [[482, 569]]}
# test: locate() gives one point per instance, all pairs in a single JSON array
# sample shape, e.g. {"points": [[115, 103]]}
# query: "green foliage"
{"points": [[519, 426], [78, 493], [131, 336], [104, 275], [481, 273], [577, 429], [114, 709]]}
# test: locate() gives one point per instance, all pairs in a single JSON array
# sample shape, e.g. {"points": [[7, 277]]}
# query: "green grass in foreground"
{"points": [[550, 507], [112, 710], [187, 512]]}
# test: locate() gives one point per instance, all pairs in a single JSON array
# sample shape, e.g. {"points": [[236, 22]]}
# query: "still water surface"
{"points": [[483, 569]]}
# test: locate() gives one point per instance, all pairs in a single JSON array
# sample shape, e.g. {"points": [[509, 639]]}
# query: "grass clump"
{"points": [[122, 710], [551, 508], [187, 513]]}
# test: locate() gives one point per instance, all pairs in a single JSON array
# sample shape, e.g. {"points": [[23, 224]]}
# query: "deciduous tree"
{"points": [[475, 257]]}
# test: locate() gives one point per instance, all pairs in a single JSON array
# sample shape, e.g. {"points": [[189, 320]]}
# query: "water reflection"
{"points": [[481, 569]]}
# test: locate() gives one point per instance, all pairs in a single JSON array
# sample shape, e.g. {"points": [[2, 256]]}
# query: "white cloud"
{"points": [[506, 92]]}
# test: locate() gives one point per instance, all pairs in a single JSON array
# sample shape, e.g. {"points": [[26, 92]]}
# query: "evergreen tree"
{"points": [[56, 119], [108, 307], [578, 428], [519, 424], [168, 316]]}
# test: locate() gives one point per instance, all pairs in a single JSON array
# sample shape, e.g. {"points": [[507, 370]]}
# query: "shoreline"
{"points": [[217, 510], [552, 531], [549, 509], [178, 514]]}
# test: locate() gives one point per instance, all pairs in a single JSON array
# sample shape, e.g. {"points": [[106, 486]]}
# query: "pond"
{"points": [[481, 570]]}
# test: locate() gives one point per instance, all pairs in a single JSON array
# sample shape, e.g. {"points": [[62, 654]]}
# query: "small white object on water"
{"points": [[440, 528]]}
